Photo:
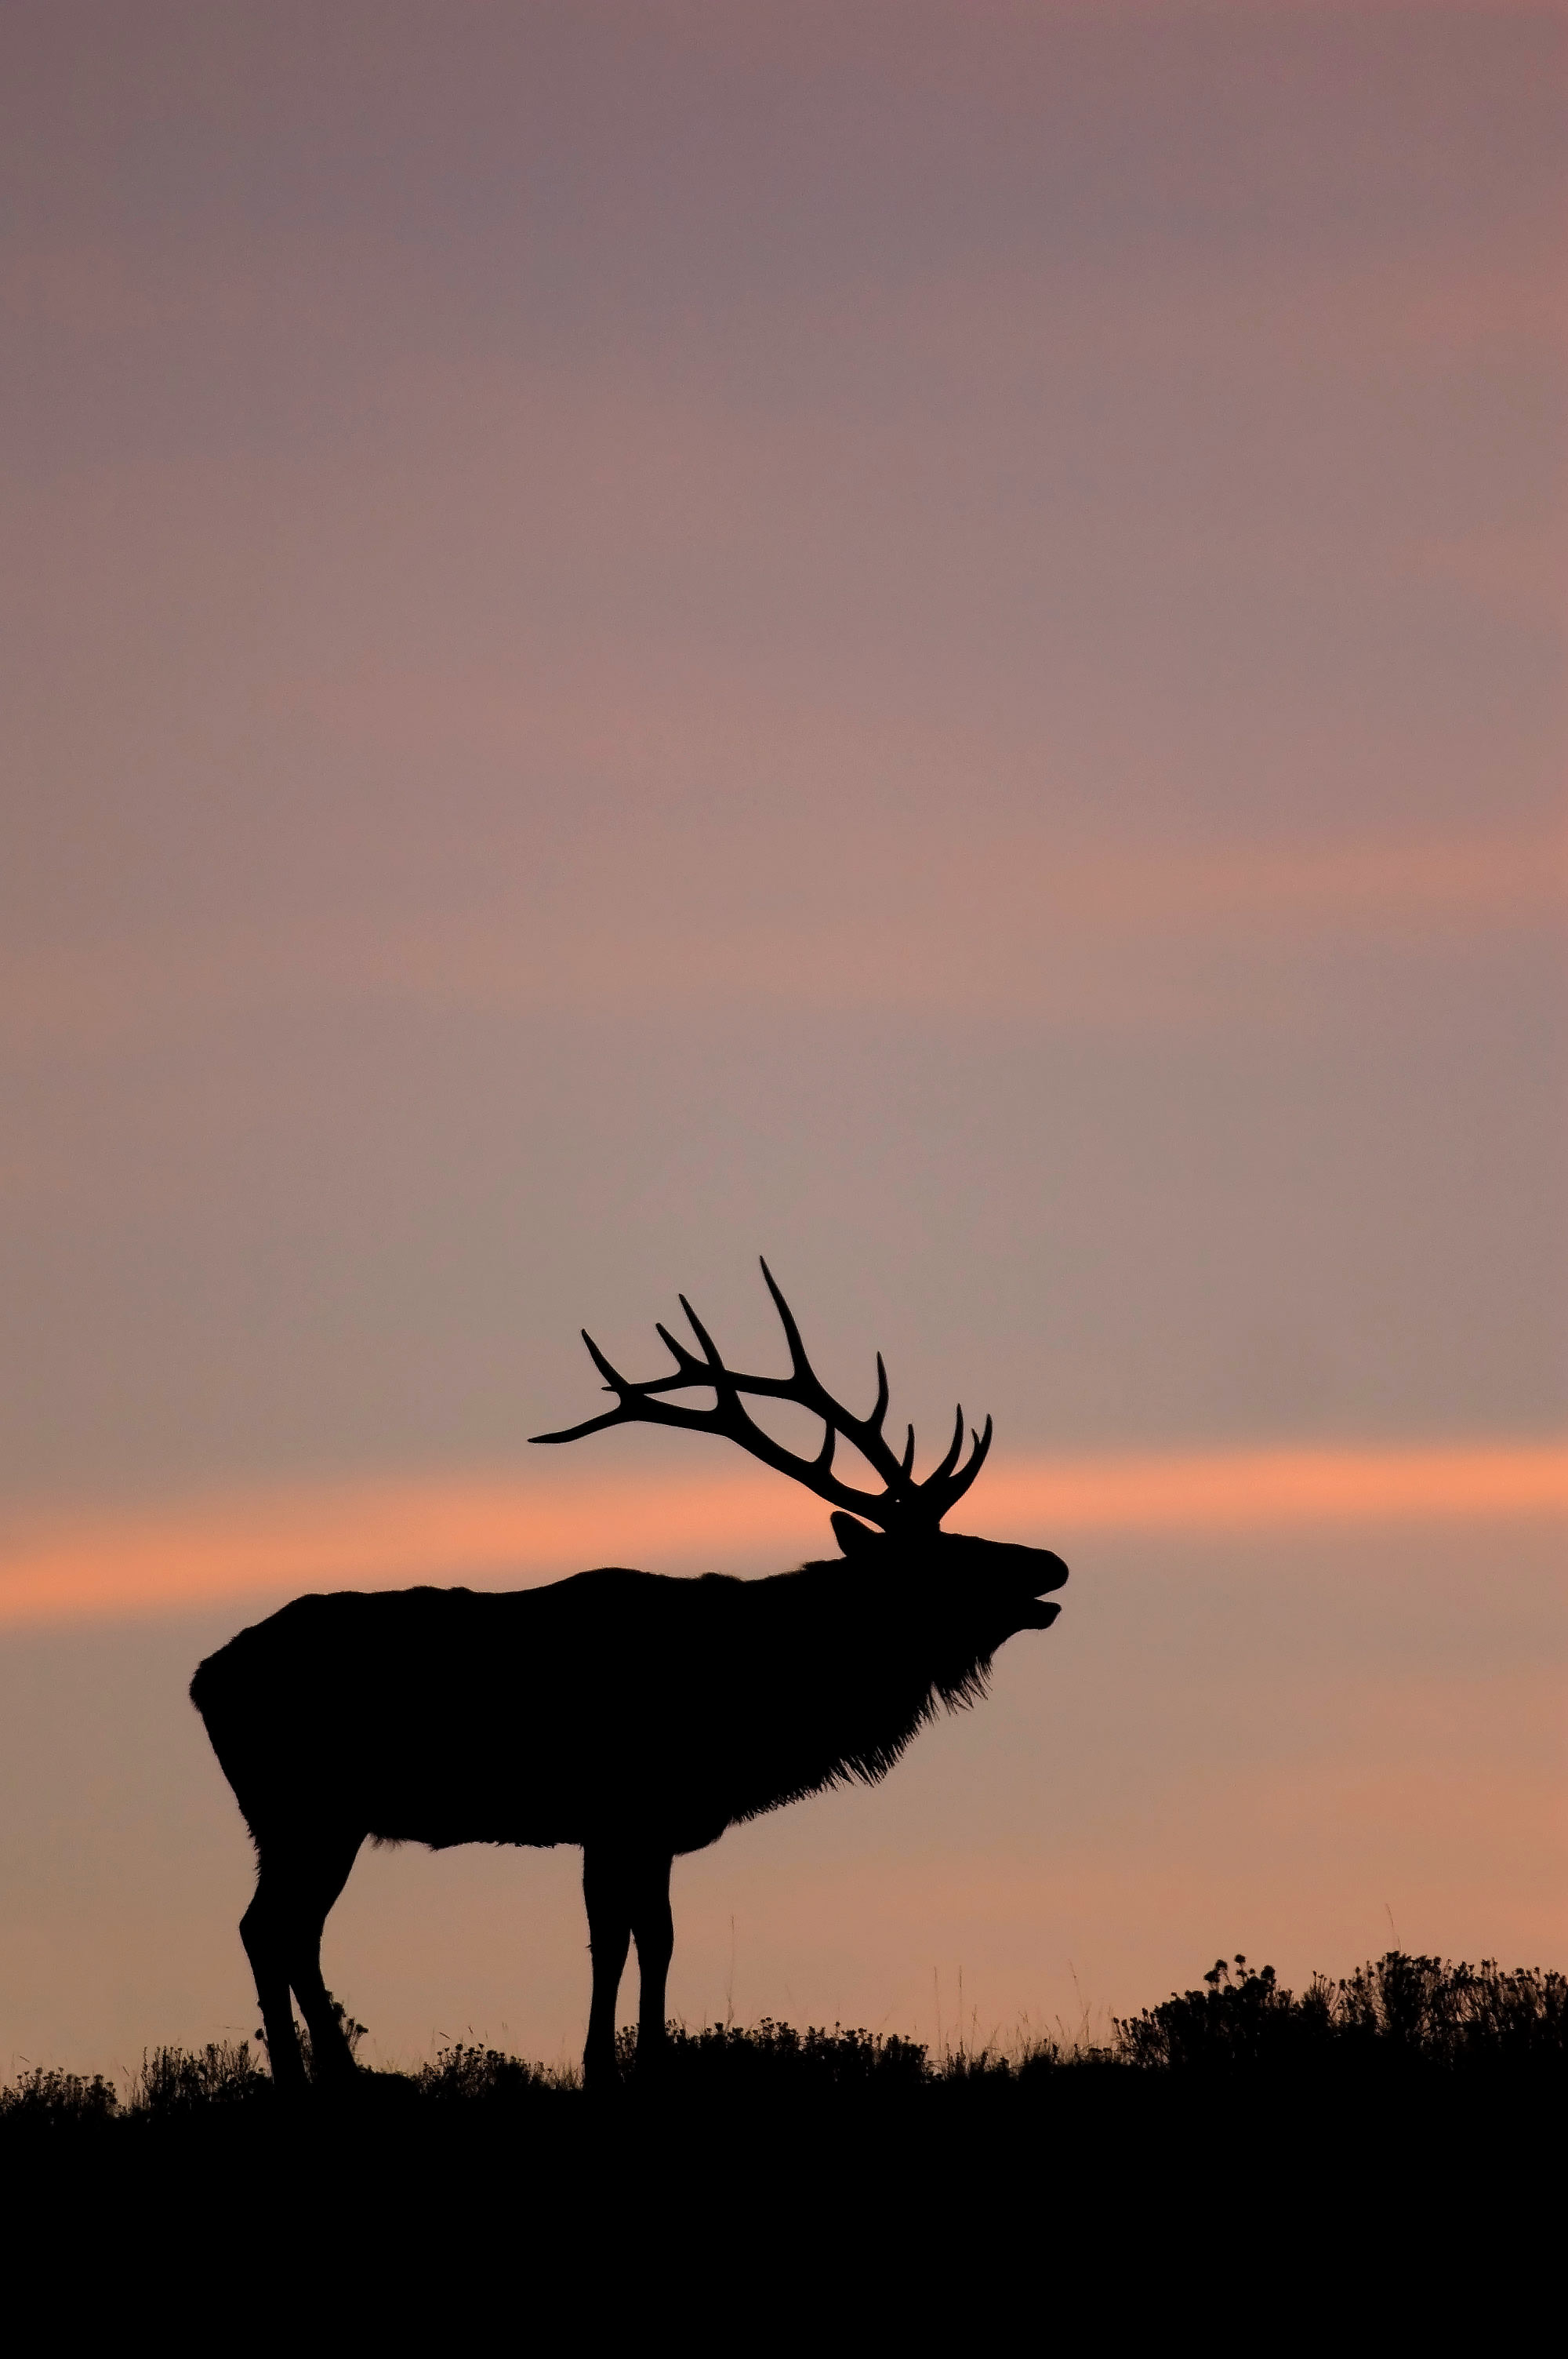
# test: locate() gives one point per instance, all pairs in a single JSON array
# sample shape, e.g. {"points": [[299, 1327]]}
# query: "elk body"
{"points": [[631, 1713]]}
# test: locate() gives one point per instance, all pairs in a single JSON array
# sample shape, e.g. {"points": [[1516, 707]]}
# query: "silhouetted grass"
{"points": [[1418, 2016], [773, 2061]]}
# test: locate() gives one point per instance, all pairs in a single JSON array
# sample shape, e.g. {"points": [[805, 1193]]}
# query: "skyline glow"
{"points": [[515, 1532]]}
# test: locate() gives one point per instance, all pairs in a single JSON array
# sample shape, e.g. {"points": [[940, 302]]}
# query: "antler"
{"points": [[904, 1503]]}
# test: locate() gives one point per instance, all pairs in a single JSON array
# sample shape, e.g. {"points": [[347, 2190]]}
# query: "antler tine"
{"points": [[866, 1433], [683, 1359], [613, 1382], [938, 1474], [732, 1418], [802, 1365], [689, 1370], [959, 1483], [626, 1411], [716, 1366], [909, 1452], [591, 1425]]}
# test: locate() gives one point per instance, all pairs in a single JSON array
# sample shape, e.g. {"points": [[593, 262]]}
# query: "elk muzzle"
{"points": [[1043, 1572]]}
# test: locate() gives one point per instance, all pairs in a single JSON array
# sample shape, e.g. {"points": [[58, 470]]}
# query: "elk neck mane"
{"points": [[857, 1669]]}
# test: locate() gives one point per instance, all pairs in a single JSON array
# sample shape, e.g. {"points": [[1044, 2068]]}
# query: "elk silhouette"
{"points": [[635, 1714]]}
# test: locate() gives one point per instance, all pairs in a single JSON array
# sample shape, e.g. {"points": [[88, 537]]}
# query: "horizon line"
{"points": [[511, 1530]]}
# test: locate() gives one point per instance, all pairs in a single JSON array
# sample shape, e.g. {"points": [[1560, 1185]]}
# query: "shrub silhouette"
{"points": [[185, 2081], [473, 2076], [1459, 2015], [46, 2098], [1398, 2008]]}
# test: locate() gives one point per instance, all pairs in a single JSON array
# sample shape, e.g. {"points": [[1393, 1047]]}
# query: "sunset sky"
{"points": [[925, 637]]}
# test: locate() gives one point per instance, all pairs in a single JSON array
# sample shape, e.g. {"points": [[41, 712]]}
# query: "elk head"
{"points": [[995, 1587]]}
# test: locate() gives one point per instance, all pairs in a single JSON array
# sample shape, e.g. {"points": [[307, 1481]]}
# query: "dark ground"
{"points": [[1376, 2160]]}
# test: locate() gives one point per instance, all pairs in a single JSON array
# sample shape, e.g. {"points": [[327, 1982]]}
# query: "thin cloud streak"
{"points": [[510, 1532], [1009, 925]]}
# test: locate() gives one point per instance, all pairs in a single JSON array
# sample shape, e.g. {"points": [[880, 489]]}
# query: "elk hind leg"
{"points": [[607, 1892], [319, 1879], [298, 1879], [263, 1930]]}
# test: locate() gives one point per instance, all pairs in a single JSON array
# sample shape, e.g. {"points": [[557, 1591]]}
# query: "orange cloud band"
{"points": [[511, 1532]]}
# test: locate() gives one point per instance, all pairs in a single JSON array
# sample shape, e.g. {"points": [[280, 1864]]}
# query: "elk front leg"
{"points": [[653, 1929], [607, 1890]]}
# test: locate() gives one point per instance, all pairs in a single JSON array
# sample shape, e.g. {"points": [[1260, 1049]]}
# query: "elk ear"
{"points": [[852, 1536]]}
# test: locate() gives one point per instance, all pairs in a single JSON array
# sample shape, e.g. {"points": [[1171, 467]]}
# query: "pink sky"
{"points": [[509, 1531], [927, 639]]}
